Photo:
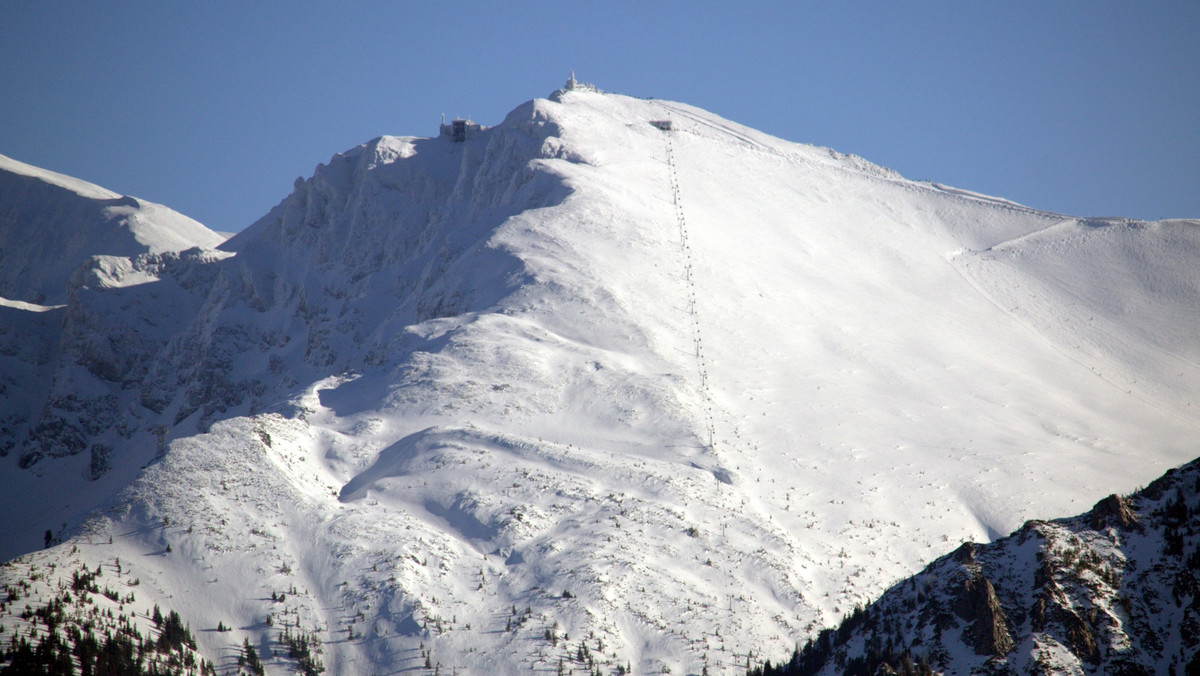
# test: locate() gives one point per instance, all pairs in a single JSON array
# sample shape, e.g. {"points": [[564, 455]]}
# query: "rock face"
{"points": [[1116, 590], [977, 604], [1112, 511], [117, 354]]}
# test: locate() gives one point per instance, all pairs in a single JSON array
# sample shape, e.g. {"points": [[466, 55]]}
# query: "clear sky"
{"points": [[214, 108]]}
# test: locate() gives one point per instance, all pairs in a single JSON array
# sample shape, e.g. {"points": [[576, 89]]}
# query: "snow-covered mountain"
{"points": [[614, 383], [57, 236], [51, 224], [1114, 591]]}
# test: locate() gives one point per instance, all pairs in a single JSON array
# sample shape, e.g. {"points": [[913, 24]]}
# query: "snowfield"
{"points": [[581, 391]]}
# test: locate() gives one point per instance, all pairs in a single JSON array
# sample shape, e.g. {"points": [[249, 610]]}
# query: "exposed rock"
{"points": [[1193, 666], [1037, 615], [1080, 638], [966, 552], [976, 603], [101, 461], [1044, 575], [1113, 511]]}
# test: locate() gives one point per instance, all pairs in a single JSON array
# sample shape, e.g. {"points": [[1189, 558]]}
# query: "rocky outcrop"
{"points": [[1112, 511], [977, 604]]}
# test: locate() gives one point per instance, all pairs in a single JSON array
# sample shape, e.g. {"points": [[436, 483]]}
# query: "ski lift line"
{"points": [[711, 409], [689, 280]]}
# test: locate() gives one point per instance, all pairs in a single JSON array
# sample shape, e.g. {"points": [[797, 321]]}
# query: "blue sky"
{"points": [[214, 108]]}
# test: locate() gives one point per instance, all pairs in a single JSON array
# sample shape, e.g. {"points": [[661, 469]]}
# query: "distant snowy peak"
{"points": [[50, 224], [82, 188]]}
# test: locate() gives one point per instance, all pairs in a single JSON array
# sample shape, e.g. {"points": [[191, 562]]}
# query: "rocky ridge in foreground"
{"points": [[1113, 591]]}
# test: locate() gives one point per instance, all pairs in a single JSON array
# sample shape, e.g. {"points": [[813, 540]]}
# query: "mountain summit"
{"points": [[614, 384]]}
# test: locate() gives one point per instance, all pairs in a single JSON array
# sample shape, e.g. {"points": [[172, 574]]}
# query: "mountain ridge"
{"points": [[670, 392]]}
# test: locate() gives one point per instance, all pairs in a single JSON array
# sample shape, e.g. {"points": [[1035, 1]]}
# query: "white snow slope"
{"points": [[666, 393]]}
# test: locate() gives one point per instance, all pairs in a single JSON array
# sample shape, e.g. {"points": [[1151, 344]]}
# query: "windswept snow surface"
{"points": [[577, 379]]}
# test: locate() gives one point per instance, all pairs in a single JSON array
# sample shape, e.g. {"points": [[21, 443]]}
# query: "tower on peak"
{"points": [[459, 129], [574, 85]]}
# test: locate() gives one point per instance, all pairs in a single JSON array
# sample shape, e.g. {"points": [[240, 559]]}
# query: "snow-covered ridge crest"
{"points": [[153, 339], [81, 188]]}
